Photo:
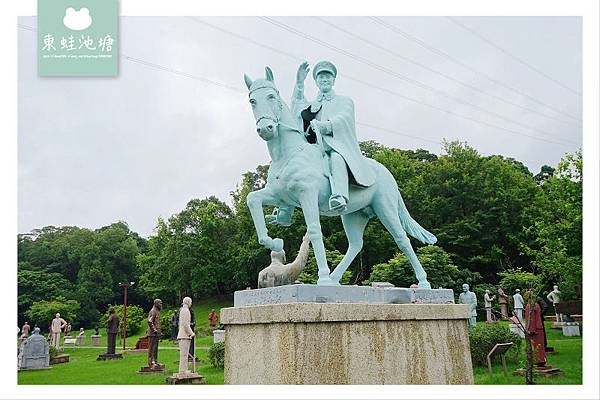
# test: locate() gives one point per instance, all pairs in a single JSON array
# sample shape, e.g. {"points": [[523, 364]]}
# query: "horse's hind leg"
{"points": [[354, 225], [310, 209], [387, 212]]}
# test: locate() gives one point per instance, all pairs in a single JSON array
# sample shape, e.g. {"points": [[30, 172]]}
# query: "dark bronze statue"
{"points": [[154, 332], [112, 330]]}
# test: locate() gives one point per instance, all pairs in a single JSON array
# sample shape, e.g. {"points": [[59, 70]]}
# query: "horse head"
{"points": [[266, 104]]}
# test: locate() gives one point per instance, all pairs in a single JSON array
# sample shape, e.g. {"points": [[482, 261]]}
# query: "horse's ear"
{"points": [[269, 74], [248, 80]]}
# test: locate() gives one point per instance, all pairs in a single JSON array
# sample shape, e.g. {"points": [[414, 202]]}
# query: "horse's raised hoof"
{"points": [[424, 285], [327, 281]]}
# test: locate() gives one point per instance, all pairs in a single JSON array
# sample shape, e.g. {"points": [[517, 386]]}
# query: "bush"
{"points": [[165, 323], [216, 354], [517, 279], [136, 318], [483, 337]]}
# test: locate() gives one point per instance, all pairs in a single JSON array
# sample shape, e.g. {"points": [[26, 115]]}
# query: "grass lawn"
{"points": [[568, 359], [84, 369]]}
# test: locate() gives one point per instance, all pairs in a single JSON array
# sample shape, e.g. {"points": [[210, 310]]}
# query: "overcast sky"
{"points": [[93, 151]]}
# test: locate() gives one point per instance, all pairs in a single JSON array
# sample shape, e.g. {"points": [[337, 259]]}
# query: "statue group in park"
{"points": [[317, 166]]}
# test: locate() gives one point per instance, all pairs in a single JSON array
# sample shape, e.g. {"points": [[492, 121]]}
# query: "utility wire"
{"points": [[205, 80], [539, 71], [421, 65], [401, 77], [370, 85], [468, 67], [234, 88]]}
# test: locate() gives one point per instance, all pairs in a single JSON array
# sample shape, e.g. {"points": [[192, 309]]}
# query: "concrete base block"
{"points": [[218, 335], [183, 378], [345, 343], [571, 329], [305, 293], [517, 330], [107, 356]]}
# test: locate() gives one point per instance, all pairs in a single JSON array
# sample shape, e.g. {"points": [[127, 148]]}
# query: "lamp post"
{"points": [[125, 285]]}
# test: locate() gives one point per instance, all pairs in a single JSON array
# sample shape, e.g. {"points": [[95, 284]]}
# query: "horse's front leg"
{"points": [[309, 201], [255, 202]]}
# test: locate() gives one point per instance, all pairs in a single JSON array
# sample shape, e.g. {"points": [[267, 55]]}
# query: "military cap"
{"points": [[324, 66]]}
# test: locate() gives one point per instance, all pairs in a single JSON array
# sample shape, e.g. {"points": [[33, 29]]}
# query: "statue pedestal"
{"points": [[106, 356], [218, 335], [155, 369], [96, 340], [183, 378], [347, 343], [571, 329]]}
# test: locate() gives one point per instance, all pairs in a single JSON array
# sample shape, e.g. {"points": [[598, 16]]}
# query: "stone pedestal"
{"points": [[155, 369], [183, 378], [348, 343], [80, 341], [571, 329], [218, 335], [106, 356], [96, 340], [517, 330]]}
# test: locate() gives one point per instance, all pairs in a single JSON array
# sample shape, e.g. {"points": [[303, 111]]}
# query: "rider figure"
{"points": [[331, 117], [329, 120]]}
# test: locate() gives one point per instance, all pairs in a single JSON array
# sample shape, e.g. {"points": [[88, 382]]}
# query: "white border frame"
{"points": [[588, 9]]}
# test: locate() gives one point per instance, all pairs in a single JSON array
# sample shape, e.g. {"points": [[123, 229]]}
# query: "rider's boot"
{"points": [[339, 183], [281, 216]]}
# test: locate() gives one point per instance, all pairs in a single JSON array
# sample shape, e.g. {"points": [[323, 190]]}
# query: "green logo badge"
{"points": [[77, 38]]}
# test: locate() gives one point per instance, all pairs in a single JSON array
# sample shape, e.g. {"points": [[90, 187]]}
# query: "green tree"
{"points": [[136, 318], [441, 271], [553, 230], [513, 279], [42, 312], [35, 286]]}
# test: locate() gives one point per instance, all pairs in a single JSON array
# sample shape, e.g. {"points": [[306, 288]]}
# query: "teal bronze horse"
{"points": [[298, 177]]}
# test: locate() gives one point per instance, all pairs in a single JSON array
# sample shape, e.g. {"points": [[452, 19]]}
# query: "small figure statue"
{"points": [[212, 319], [535, 326], [487, 299], [97, 331], [112, 330], [503, 300], [278, 273], [68, 329], [154, 333], [25, 330], [184, 335], [554, 298], [468, 297], [518, 304], [174, 327], [56, 326]]}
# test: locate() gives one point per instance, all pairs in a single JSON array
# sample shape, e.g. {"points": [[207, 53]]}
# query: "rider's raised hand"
{"points": [[302, 73]]}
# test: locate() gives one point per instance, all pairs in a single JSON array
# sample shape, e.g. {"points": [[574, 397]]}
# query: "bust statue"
{"points": [[468, 297]]}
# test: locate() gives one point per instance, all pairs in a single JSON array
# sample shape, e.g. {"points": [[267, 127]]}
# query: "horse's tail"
{"points": [[411, 226]]}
